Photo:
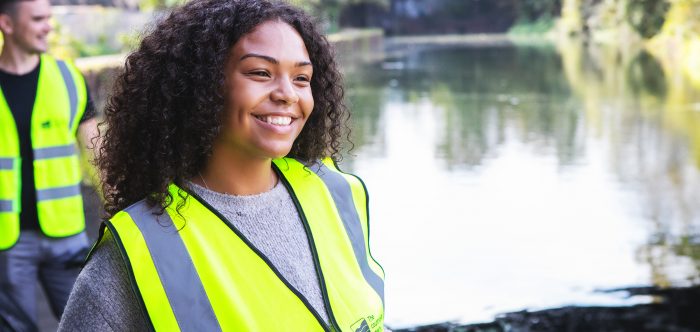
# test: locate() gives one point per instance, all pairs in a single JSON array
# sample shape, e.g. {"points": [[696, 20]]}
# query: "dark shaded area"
{"points": [[92, 206], [12, 318], [100, 82], [675, 309], [646, 76], [93, 211], [364, 15], [647, 16], [417, 17]]}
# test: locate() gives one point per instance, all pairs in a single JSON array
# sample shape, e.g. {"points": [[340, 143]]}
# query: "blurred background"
{"points": [[520, 154]]}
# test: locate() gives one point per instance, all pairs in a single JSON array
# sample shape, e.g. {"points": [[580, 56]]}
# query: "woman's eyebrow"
{"points": [[272, 60], [264, 57]]}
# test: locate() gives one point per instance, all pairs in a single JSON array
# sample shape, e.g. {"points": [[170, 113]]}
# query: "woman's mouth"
{"points": [[275, 120]]}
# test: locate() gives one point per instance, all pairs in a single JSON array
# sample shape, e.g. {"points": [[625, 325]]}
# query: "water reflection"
{"points": [[645, 76], [505, 177], [652, 125]]}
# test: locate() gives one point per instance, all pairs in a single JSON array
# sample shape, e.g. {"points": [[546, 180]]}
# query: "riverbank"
{"points": [[672, 309]]}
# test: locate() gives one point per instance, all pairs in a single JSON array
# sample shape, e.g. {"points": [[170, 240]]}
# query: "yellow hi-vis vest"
{"points": [[194, 271], [58, 107]]}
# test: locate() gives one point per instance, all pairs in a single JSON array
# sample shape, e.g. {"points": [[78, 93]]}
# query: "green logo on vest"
{"points": [[361, 326], [46, 124], [368, 324]]}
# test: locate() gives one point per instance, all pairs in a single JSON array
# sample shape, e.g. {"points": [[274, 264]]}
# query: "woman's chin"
{"points": [[278, 152]]}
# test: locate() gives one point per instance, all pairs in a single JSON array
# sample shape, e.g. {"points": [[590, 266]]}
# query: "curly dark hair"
{"points": [[167, 106]]}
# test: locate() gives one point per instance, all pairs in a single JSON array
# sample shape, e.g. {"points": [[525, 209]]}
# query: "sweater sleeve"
{"points": [[103, 298]]}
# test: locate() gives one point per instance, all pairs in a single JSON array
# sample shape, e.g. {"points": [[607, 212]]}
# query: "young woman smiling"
{"points": [[226, 209]]}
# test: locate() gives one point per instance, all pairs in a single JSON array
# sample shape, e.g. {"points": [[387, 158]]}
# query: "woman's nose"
{"points": [[284, 92]]}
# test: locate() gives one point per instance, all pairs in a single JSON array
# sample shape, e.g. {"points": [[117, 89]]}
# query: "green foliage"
{"points": [[647, 16], [683, 18], [101, 47], [540, 26], [129, 41], [618, 17], [65, 45], [159, 4], [536, 17], [537, 10]]}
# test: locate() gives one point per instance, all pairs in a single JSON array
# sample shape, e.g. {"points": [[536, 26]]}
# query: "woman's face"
{"points": [[268, 92]]}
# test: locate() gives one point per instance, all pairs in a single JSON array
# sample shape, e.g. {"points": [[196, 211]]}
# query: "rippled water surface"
{"points": [[506, 177]]}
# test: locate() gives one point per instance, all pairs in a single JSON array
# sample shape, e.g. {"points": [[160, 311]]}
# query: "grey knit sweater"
{"points": [[102, 298]]}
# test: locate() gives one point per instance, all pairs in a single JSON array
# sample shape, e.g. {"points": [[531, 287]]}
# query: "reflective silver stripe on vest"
{"points": [[55, 152], [58, 192], [7, 163], [5, 205], [342, 196], [70, 86], [177, 273]]}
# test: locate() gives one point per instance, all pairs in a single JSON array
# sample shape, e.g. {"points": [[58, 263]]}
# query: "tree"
{"points": [[647, 16], [328, 11], [532, 10]]}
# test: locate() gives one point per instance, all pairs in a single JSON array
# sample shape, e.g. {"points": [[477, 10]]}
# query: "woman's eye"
{"points": [[260, 73], [303, 78]]}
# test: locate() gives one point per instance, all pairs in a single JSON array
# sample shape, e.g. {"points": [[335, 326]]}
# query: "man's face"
{"points": [[27, 26]]}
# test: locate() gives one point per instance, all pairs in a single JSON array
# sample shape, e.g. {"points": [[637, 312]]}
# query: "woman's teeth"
{"points": [[276, 120]]}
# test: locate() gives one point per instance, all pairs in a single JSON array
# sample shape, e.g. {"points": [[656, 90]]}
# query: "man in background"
{"points": [[44, 109]]}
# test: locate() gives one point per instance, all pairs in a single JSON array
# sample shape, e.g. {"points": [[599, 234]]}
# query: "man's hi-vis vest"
{"points": [[58, 107], [194, 271]]}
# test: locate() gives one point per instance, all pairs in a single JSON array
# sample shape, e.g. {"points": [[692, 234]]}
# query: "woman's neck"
{"points": [[227, 174]]}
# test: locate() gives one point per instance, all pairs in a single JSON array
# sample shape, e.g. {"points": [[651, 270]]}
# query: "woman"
{"points": [[223, 214]]}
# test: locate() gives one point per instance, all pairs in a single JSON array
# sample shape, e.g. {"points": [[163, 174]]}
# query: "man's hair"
{"points": [[8, 6]]}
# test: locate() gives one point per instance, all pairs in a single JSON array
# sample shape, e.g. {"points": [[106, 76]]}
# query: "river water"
{"points": [[508, 176]]}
